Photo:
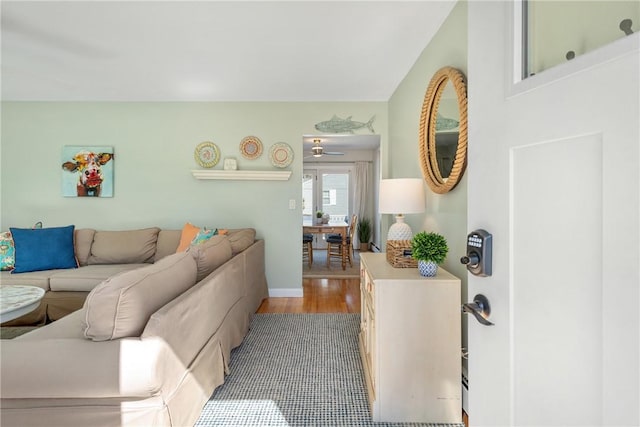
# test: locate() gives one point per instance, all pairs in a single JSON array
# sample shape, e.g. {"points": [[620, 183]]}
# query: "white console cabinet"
{"points": [[410, 342]]}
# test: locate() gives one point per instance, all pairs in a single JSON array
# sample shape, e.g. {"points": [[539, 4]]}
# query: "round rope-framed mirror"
{"points": [[442, 137]]}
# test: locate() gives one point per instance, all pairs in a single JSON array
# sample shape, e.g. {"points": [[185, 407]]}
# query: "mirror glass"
{"points": [[447, 124], [443, 130]]}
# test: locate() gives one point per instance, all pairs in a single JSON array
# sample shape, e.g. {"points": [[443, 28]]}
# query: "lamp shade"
{"points": [[401, 196]]}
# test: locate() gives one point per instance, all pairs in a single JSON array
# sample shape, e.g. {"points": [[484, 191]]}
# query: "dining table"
{"points": [[337, 227]]}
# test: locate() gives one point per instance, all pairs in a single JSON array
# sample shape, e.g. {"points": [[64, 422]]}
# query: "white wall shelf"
{"points": [[242, 175]]}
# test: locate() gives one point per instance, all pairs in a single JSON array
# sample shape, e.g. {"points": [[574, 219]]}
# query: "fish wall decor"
{"points": [[444, 123], [338, 125]]}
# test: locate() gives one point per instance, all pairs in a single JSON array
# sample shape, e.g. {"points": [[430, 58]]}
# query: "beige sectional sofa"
{"points": [[100, 255], [149, 344]]}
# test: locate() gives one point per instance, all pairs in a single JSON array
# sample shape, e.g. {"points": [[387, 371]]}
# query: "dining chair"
{"points": [[334, 244], [307, 248]]}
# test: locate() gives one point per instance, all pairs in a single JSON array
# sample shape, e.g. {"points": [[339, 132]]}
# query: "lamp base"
{"points": [[400, 230]]}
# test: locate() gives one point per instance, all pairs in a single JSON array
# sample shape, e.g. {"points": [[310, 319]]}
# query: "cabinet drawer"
{"points": [[366, 284]]}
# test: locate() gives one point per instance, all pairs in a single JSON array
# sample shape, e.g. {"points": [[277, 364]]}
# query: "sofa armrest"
{"points": [[78, 368]]}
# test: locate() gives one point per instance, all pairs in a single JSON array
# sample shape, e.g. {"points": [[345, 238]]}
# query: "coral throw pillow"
{"points": [[189, 232]]}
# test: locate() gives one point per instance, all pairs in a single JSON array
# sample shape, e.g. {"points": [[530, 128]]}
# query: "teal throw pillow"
{"points": [[203, 235], [7, 251], [43, 249]]}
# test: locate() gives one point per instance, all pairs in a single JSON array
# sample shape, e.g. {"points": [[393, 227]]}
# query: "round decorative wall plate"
{"points": [[281, 155], [251, 147], [207, 154]]}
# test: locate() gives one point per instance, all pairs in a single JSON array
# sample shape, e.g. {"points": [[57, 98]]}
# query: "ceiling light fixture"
{"points": [[316, 150]]}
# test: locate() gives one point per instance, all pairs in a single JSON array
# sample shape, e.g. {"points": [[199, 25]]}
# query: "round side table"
{"points": [[18, 300]]}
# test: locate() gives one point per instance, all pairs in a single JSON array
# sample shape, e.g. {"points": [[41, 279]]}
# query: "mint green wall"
{"points": [[445, 213], [154, 153]]}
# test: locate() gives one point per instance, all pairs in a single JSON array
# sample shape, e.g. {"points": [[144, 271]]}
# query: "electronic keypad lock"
{"points": [[478, 258]]}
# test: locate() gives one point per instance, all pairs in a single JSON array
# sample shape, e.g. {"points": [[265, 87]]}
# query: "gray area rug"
{"points": [[319, 269], [10, 332], [295, 370]]}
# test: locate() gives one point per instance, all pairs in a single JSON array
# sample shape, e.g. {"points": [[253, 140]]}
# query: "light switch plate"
{"points": [[292, 203]]}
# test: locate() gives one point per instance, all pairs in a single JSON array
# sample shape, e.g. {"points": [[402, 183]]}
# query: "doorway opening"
{"points": [[340, 183]]}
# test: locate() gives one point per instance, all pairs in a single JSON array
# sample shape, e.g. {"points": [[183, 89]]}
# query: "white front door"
{"points": [[553, 175]]}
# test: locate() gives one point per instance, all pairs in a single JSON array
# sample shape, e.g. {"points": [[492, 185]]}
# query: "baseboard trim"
{"points": [[285, 293]]}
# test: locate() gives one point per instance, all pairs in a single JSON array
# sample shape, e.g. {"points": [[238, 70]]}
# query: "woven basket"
{"points": [[399, 254]]}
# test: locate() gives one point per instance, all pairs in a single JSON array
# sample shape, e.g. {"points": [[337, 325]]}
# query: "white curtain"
{"points": [[361, 180]]}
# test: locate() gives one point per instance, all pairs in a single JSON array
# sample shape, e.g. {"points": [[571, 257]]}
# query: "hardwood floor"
{"points": [[319, 296], [323, 296]]}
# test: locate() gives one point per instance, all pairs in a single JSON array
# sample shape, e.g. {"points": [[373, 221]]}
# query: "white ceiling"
{"points": [[212, 50]]}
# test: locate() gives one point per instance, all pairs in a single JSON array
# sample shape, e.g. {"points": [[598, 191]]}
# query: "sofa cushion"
{"points": [[69, 327], [43, 248], [167, 243], [32, 278], [121, 306], [7, 251], [211, 255], [241, 239], [124, 247], [83, 241], [86, 278]]}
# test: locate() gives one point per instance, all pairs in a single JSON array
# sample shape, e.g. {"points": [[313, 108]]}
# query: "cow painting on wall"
{"points": [[87, 171]]}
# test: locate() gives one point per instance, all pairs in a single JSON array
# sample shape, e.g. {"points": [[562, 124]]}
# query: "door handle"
{"points": [[480, 309]]}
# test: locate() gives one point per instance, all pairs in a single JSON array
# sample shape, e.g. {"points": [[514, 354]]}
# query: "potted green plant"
{"points": [[319, 217], [364, 233], [430, 249]]}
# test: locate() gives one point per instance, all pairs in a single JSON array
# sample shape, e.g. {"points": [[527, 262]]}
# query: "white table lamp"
{"points": [[401, 196]]}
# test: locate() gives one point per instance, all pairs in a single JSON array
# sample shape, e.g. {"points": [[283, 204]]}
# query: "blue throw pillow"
{"points": [[43, 249]]}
